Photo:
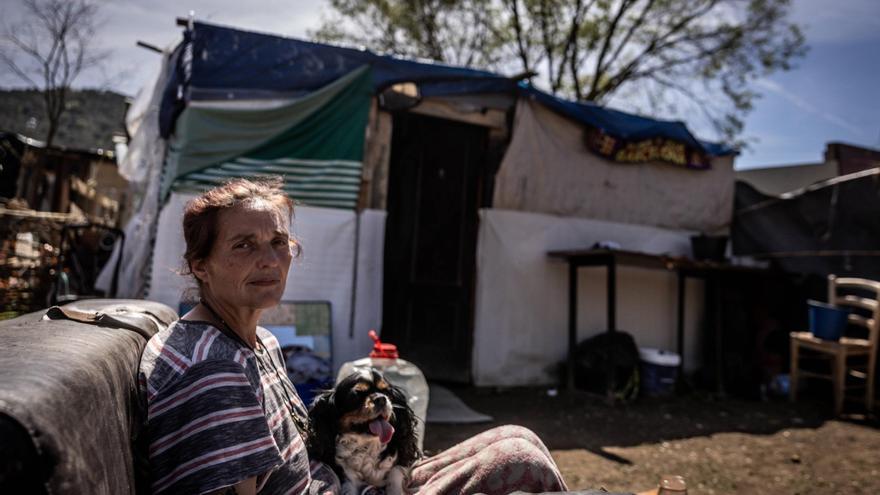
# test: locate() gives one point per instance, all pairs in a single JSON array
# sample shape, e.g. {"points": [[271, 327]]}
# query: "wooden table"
{"points": [[610, 259]]}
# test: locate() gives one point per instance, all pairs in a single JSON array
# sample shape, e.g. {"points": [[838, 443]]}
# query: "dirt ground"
{"points": [[727, 446]]}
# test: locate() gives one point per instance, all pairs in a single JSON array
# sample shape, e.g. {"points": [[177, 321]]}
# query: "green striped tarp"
{"points": [[318, 152], [328, 183]]}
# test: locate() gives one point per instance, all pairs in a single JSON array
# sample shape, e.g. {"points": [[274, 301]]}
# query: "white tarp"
{"points": [[324, 272], [521, 316], [142, 167], [548, 169]]}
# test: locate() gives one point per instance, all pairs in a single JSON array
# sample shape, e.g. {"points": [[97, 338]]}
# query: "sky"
{"points": [[832, 95]]}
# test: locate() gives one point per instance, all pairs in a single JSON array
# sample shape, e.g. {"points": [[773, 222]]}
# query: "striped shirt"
{"points": [[217, 413]]}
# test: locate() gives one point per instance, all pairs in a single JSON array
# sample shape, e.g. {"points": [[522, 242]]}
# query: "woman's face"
{"points": [[250, 258]]}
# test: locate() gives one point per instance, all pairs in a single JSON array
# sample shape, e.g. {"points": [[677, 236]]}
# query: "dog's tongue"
{"points": [[382, 429]]}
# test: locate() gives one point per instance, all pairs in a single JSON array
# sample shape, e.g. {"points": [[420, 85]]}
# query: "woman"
{"points": [[222, 415]]}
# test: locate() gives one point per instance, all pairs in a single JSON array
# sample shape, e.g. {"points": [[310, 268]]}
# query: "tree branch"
{"points": [[543, 14], [569, 51], [609, 34], [655, 45], [632, 29], [22, 74], [517, 27]]}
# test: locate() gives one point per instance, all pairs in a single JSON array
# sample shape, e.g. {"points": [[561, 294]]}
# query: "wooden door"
{"points": [[430, 243]]}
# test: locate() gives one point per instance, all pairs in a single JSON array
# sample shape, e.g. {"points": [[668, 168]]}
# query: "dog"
{"points": [[365, 430]]}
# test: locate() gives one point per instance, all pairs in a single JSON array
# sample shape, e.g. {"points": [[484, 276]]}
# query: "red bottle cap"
{"points": [[380, 350]]}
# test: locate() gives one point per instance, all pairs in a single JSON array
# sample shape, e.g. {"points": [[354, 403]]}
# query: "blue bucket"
{"points": [[827, 321]]}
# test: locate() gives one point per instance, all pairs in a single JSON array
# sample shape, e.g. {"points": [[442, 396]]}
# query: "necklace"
{"points": [[229, 332], [259, 353]]}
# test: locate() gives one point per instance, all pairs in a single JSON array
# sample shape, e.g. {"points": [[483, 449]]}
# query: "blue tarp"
{"points": [[622, 125], [216, 62]]}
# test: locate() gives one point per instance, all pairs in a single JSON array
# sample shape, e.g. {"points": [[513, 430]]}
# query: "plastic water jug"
{"points": [[400, 373]]}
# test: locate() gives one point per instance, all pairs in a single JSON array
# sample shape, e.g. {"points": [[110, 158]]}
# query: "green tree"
{"points": [[50, 49], [705, 53]]}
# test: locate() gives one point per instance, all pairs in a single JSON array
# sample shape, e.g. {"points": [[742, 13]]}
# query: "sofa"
{"points": [[69, 413]]}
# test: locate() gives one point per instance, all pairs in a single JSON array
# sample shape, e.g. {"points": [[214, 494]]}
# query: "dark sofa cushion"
{"points": [[69, 389]]}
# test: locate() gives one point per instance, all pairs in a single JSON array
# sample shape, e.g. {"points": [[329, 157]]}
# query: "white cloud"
{"points": [[807, 107]]}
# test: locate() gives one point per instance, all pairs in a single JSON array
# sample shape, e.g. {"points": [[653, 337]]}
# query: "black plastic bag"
{"points": [[608, 364]]}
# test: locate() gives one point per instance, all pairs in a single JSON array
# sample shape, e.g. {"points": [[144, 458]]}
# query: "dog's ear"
{"points": [[321, 441], [404, 440]]}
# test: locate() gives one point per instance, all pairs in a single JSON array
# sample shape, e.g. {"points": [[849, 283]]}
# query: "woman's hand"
{"points": [[244, 487]]}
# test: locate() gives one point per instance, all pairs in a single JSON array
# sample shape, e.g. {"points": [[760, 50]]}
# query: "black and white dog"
{"points": [[364, 429]]}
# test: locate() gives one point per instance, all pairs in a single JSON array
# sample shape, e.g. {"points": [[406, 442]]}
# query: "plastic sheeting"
{"points": [[222, 63], [143, 166], [324, 272], [547, 169], [315, 142], [328, 169], [521, 317], [627, 126], [828, 227], [213, 133], [142, 123]]}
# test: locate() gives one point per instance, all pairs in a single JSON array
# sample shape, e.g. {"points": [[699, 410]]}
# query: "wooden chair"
{"points": [[840, 293]]}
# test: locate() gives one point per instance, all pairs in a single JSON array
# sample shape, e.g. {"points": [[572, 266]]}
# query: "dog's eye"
{"points": [[382, 385], [361, 387]]}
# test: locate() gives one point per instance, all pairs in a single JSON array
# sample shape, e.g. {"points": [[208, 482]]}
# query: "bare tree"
{"points": [[51, 48]]}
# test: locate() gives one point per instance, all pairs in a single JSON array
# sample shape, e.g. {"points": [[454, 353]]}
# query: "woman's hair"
{"points": [[200, 215]]}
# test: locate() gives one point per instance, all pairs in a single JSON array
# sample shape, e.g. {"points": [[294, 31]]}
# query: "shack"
{"points": [[429, 196]]}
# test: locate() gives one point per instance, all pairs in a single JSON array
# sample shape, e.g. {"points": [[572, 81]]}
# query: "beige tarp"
{"points": [[548, 169]]}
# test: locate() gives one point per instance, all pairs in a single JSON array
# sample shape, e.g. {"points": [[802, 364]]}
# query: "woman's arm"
{"points": [[191, 454]]}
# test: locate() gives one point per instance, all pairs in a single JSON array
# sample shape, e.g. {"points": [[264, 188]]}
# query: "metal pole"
{"points": [[612, 294], [611, 385], [572, 321], [719, 334], [352, 311], [680, 323]]}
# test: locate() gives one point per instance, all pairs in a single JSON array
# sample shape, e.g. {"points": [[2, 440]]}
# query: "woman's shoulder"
{"points": [[188, 343]]}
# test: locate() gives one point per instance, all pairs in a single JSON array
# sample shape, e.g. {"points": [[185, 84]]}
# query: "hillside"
{"points": [[91, 119]]}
